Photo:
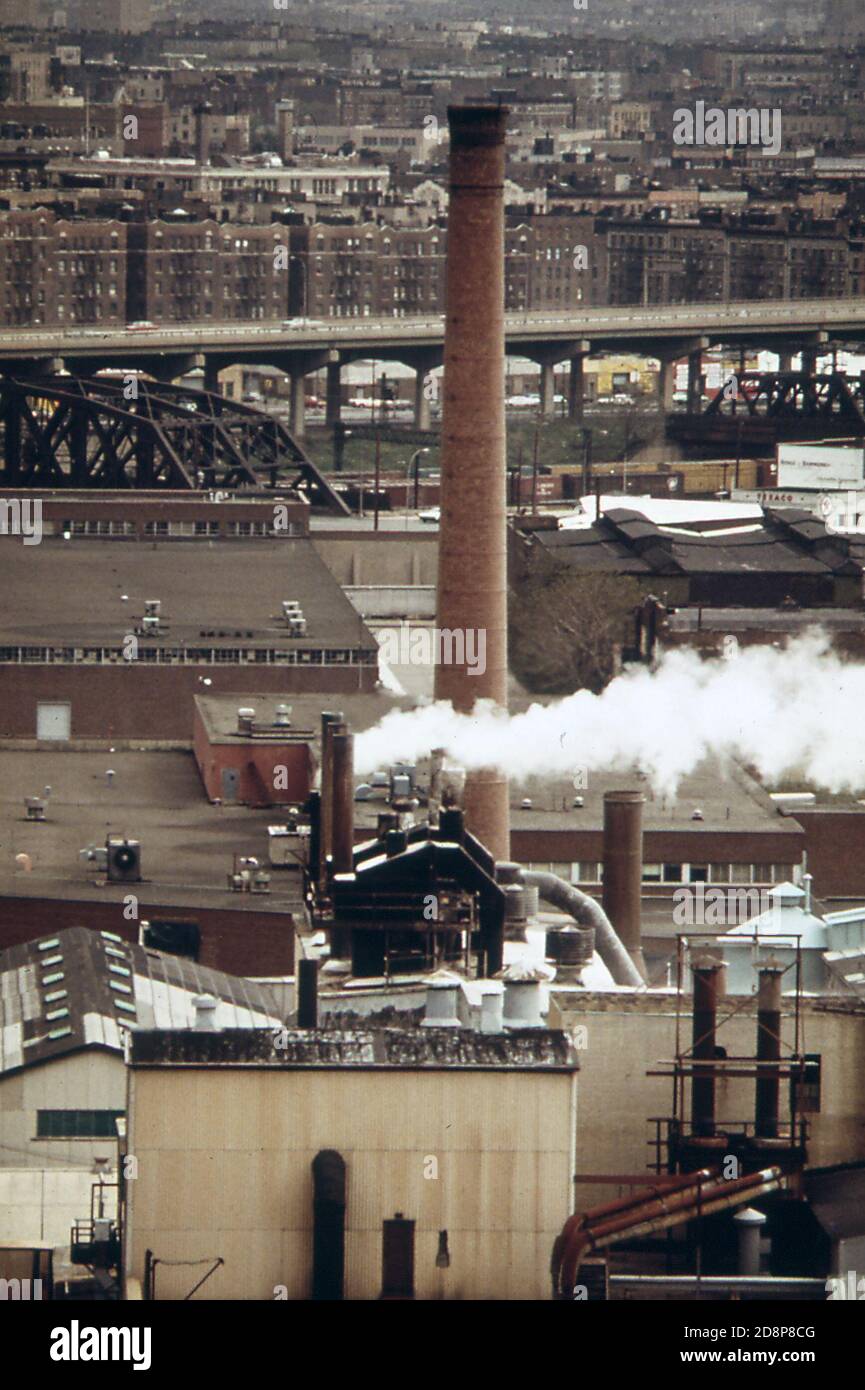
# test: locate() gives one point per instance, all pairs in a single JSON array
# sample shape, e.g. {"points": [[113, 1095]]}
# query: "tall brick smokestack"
{"points": [[472, 582]]}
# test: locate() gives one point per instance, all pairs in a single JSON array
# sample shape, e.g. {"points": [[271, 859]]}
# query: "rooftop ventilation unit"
{"points": [[245, 720], [150, 623], [442, 996], [152, 607], [205, 1006], [523, 1006], [290, 606], [282, 717], [297, 626], [35, 807], [124, 860]]}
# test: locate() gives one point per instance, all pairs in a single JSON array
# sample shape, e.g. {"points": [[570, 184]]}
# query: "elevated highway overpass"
{"points": [[667, 333]]}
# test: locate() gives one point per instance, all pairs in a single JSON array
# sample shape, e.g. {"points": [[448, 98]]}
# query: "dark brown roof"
{"points": [[529, 1049]]}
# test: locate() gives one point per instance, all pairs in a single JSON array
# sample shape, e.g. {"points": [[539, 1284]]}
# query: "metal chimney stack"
{"points": [[706, 978], [329, 719], [472, 582], [623, 869], [342, 794], [768, 1050]]}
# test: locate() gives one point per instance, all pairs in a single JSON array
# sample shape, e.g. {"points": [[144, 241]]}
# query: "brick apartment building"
{"points": [[203, 270], [61, 272], [104, 271]]}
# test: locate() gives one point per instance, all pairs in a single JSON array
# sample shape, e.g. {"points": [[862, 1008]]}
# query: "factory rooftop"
{"points": [[155, 797], [80, 989], [362, 709], [787, 541], [69, 597], [729, 798]]}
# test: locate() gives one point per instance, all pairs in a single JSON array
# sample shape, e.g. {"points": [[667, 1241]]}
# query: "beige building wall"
{"points": [[625, 1038], [224, 1169], [42, 1205], [368, 560], [88, 1080]]}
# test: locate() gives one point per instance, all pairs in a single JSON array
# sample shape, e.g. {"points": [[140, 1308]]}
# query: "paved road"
{"points": [[604, 327]]}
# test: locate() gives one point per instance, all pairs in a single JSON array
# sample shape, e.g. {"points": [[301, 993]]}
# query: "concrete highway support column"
{"points": [[548, 389], [422, 363], [422, 414], [472, 582], [695, 381], [785, 361], [577, 386], [666, 383], [333, 399], [297, 404], [211, 376]]}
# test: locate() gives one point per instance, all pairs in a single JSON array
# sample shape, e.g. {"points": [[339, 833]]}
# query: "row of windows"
{"points": [[177, 528], [180, 656], [593, 872], [77, 1124]]}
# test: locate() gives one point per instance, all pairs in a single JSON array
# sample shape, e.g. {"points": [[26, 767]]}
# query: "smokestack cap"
{"points": [[478, 126]]}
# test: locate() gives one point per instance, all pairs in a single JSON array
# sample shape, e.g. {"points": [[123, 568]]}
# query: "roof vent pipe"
{"points": [[523, 1007], [807, 880], [205, 1013], [587, 913], [442, 993], [492, 1011], [749, 1226]]}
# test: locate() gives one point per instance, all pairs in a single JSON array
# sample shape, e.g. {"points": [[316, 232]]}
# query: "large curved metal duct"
{"points": [[586, 912]]}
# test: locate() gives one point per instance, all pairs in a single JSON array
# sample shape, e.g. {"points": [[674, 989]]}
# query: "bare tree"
{"points": [[567, 630]]}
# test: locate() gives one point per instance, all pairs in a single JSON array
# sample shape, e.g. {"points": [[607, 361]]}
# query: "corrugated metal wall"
{"points": [[225, 1170]]}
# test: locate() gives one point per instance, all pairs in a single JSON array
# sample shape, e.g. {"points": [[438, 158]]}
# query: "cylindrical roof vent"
{"points": [[492, 1011], [570, 946], [532, 902], [523, 1004], [442, 993], [515, 912], [205, 1007], [245, 719]]}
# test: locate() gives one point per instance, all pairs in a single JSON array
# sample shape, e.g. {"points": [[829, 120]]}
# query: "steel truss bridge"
{"points": [[756, 410], [103, 432]]}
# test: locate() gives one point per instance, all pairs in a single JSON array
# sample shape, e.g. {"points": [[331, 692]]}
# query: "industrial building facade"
{"points": [[456, 1149]]}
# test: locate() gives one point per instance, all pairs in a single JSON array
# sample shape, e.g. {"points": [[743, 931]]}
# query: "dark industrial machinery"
{"points": [[124, 431]]}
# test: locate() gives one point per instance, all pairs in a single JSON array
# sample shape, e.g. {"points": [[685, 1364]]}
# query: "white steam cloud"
{"points": [[793, 710]]}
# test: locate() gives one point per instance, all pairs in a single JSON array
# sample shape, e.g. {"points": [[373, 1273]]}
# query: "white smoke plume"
{"points": [[798, 709]]}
